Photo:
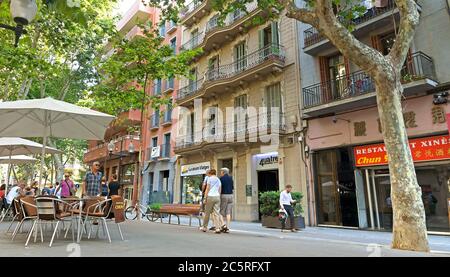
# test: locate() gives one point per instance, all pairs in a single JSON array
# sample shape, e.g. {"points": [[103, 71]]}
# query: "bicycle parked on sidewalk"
{"points": [[131, 213]]}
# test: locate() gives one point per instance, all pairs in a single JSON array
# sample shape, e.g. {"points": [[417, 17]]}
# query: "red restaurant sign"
{"points": [[422, 149]]}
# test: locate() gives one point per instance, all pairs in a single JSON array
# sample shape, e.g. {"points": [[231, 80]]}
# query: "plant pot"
{"points": [[274, 222]]}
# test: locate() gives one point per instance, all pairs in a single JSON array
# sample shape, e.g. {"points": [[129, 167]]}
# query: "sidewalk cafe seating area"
{"points": [[80, 216]]}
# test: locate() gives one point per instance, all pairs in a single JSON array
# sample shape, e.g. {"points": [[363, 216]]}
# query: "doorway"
{"points": [[336, 188], [267, 181]]}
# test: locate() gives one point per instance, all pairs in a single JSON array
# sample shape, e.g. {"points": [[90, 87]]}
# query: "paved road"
{"points": [[143, 238]]}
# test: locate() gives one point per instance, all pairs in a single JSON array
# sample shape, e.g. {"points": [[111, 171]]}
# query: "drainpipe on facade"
{"points": [[302, 132]]}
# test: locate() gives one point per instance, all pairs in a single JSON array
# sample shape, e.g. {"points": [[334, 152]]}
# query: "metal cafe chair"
{"points": [[49, 211], [101, 211], [29, 212], [16, 212]]}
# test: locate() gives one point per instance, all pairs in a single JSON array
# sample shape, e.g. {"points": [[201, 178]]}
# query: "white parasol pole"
{"points": [[43, 150], [9, 172]]}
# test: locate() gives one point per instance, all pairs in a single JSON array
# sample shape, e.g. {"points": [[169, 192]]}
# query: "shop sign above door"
{"points": [[267, 161], [422, 149], [195, 169]]}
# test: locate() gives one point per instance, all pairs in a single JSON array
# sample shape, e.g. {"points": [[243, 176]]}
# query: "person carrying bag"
{"points": [[67, 187]]}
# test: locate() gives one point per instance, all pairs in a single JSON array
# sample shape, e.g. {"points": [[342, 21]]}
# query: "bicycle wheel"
{"points": [[130, 213], [152, 216]]}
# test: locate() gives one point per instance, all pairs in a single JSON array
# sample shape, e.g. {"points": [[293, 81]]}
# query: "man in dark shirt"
{"points": [[226, 197]]}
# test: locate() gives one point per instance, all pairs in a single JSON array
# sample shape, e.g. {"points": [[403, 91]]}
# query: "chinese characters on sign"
{"points": [[438, 114], [360, 129], [422, 149]]}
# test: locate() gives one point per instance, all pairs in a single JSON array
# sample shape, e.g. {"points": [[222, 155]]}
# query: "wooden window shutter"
{"points": [[325, 79], [376, 43]]}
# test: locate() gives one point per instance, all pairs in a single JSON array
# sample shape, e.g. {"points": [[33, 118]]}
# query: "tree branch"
{"points": [[409, 20], [300, 14], [364, 56]]}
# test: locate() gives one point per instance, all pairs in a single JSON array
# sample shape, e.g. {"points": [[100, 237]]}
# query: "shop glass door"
{"points": [[192, 189], [434, 182], [328, 195]]}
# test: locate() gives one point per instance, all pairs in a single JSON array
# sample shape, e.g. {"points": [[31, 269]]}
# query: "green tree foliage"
{"points": [[133, 66]]}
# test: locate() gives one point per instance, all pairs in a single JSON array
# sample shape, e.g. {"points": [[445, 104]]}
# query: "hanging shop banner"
{"points": [[422, 149], [195, 169]]}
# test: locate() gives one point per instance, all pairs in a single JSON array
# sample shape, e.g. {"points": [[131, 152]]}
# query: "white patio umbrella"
{"points": [[48, 117], [18, 146], [15, 160]]}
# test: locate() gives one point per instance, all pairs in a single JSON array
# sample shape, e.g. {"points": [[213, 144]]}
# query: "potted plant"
{"points": [[269, 204]]}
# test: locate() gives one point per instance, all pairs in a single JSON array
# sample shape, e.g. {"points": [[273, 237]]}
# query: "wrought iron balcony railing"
{"points": [[192, 88], [234, 131], [165, 150], [167, 117], [214, 25], [417, 66], [272, 51], [190, 7], [312, 36], [154, 121]]}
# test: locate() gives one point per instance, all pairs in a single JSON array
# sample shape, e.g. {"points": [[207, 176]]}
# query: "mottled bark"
{"points": [[409, 231], [409, 225]]}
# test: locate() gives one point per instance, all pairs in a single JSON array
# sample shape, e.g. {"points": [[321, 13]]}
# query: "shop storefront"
{"points": [[127, 180], [267, 172], [192, 176], [349, 167], [432, 162]]}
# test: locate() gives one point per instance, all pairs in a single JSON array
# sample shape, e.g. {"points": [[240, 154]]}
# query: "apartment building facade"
{"points": [[240, 108], [119, 151], [158, 173], [349, 177]]}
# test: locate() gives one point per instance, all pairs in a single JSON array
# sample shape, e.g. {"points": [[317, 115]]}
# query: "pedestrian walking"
{"points": [[226, 197], [92, 181], [286, 203], [67, 187], [212, 202]]}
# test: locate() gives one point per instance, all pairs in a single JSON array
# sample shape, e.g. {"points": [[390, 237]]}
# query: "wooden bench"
{"points": [[191, 210]]}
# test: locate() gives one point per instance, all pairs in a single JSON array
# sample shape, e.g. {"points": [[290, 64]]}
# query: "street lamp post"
{"points": [[22, 12]]}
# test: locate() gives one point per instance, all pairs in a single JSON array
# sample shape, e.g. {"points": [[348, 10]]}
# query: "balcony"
{"points": [[154, 121], [250, 67], [135, 31], [193, 11], [165, 151], [216, 34], [138, 12], [157, 88], [169, 85], [100, 152], [377, 17], [358, 89], [235, 133], [167, 118], [122, 122], [172, 27], [192, 88]]}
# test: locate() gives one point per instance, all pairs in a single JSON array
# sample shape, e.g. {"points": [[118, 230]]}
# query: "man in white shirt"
{"points": [[14, 192], [286, 202]]}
